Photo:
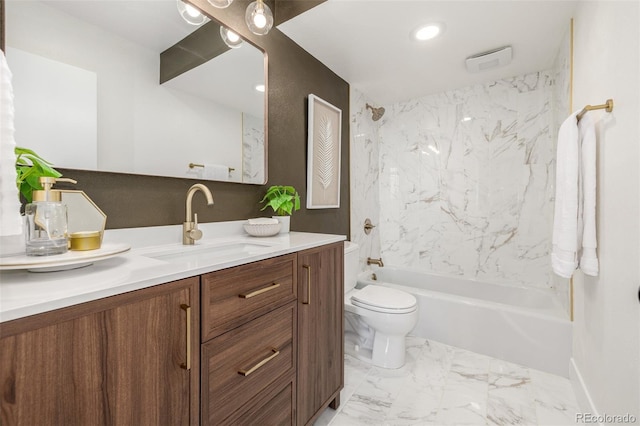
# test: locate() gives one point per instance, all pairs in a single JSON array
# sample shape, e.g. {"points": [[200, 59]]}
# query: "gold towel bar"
{"points": [[192, 165], [608, 106]]}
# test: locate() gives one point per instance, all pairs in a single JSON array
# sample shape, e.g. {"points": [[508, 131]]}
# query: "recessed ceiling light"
{"points": [[426, 32]]}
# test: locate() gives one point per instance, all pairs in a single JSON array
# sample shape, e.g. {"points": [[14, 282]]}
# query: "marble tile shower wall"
{"points": [[466, 181], [364, 169], [252, 149]]}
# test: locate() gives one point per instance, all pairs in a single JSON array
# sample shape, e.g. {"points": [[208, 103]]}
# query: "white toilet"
{"points": [[377, 319]]}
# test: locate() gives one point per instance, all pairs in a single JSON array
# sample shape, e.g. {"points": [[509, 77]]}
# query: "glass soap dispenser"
{"points": [[47, 220]]}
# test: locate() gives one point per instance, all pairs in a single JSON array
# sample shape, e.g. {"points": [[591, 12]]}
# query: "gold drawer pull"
{"points": [[308, 268], [187, 364], [261, 363], [257, 292]]}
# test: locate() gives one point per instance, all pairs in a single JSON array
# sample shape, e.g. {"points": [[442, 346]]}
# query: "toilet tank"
{"points": [[351, 265]]}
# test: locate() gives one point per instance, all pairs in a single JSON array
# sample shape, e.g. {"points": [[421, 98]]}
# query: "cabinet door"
{"points": [[320, 329], [121, 360]]}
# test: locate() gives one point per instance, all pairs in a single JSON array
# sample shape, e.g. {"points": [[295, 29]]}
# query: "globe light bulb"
{"points": [[192, 11], [190, 14], [258, 17], [259, 20], [230, 38], [220, 4]]}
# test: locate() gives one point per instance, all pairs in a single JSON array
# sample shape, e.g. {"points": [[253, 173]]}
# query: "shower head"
{"points": [[376, 113]]}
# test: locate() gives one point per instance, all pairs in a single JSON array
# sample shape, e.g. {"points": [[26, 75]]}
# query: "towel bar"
{"points": [[192, 165], [608, 106]]}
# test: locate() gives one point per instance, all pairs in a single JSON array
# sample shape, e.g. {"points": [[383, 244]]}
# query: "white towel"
{"points": [[574, 226], [10, 218], [215, 172], [588, 258], [565, 222]]}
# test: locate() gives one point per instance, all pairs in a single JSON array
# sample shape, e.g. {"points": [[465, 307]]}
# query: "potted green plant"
{"points": [[284, 200], [29, 167]]}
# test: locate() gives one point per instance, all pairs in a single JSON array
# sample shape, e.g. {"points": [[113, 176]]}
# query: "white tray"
{"points": [[62, 262]]}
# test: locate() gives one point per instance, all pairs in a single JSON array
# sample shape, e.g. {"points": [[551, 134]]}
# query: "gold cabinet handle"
{"points": [[261, 363], [187, 309], [257, 292], [308, 268]]}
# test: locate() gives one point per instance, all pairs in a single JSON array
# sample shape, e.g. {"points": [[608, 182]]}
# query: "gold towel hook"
{"points": [[608, 107]]}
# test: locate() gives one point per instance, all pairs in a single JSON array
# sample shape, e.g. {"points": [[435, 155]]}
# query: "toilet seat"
{"points": [[384, 299]]}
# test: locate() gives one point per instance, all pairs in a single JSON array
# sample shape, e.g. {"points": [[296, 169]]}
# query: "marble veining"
{"points": [[364, 169], [466, 181], [444, 385], [252, 149]]}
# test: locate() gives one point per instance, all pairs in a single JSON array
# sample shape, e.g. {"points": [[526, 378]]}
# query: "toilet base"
{"points": [[388, 352]]}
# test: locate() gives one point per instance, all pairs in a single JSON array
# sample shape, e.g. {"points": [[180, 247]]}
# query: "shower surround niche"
{"points": [[466, 181]]}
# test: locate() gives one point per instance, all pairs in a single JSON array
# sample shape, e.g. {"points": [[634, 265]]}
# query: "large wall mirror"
{"points": [[86, 78]]}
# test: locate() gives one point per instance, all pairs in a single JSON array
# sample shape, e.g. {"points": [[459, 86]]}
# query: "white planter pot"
{"points": [[284, 223]]}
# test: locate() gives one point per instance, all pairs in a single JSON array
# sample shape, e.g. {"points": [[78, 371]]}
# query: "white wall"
{"points": [[606, 329], [69, 104]]}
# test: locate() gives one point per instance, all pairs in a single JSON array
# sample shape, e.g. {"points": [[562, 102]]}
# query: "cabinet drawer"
{"points": [[277, 407], [237, 295], [239, 365]]}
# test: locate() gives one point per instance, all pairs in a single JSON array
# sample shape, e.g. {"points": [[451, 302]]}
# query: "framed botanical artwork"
{"points": [[323, 158]]}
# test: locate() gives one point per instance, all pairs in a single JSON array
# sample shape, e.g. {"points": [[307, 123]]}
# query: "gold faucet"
{"points": [[190, 231], [378, 262]]}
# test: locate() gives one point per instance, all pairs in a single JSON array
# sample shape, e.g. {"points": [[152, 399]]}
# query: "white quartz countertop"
{"points": [[157, 256]]}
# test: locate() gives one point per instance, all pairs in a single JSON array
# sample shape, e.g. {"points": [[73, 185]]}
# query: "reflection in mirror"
{"points": [[87, 94]]}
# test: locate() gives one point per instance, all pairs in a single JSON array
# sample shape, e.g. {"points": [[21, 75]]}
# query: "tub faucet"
{"points": [[378, 262], [190, 231]]}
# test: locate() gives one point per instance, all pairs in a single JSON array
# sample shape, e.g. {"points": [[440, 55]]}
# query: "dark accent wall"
{"points": [[293, 74]]}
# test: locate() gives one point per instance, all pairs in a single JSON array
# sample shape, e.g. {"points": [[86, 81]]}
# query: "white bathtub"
{"points": [[523, 325]]}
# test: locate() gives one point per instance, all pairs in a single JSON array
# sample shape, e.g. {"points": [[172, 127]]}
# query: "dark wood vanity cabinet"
{"points": [[320, 373], [259, 343], [119, 360]]}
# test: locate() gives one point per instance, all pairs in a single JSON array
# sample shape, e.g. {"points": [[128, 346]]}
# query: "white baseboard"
{"points": [[580, 389]]}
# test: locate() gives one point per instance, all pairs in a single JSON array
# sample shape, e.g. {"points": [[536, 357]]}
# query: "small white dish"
{"points": [[262, 221], [262, 229]]}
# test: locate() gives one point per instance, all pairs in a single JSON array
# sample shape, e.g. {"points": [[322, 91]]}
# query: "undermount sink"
{"points": [[210, 252]]}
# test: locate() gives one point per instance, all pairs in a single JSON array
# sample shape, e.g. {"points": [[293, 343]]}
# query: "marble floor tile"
{"points": [[443, 385]]}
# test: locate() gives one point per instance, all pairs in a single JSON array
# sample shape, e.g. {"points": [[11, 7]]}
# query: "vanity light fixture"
{"points": [[230, 38], [426, 32], [190, 14], [259, 87], [258, 17]]}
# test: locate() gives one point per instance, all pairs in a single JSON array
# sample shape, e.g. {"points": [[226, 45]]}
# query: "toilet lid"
{"points": [[384, 299]]}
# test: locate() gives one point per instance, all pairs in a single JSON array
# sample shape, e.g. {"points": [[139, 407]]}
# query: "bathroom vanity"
{"points": [[247, 334]]}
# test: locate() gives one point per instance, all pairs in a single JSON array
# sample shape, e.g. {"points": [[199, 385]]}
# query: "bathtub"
{"points": [[522, 325]]}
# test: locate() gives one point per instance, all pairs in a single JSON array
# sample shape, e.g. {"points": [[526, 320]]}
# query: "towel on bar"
{"points": [[215, 172], [588, 258], [574, 224], [565, 220], [10, 218]]}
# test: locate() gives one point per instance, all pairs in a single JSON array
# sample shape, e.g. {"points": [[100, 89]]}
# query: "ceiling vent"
{"points": [[488, 60]]}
